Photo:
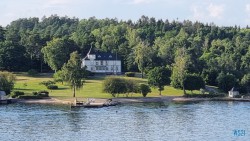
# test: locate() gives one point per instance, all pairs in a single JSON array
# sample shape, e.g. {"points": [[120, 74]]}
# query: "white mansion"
{"points": [[101, 62]]}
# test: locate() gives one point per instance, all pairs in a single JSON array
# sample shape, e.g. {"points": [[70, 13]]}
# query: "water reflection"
{"points": [[143, 121], [74, 119]]}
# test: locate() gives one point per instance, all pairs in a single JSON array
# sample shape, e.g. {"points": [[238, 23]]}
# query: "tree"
{"points": [[12, 56], [145, 89], [7, 81], [226, 81], [57, 52], [180, 69], [143, 55], [159, 77], [193, 82], [2, 32], [59, 76], [245, 82], [73, 72]]}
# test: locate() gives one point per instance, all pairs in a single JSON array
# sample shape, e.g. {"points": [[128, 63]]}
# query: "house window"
{"points": [[110, 56], [112, 67], [92, 68], [106, 63], [107, 68], [116, 68], [96, 63], [101, 62]]}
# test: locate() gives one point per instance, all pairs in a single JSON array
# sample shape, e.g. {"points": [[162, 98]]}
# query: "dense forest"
{"points": [[197, 48]]}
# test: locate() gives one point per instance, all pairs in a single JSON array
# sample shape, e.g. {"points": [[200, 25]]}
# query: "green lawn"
{"points": [[92, 87]]}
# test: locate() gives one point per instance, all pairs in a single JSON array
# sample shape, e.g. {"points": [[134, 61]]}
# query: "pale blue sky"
{"points": [[220, 12]]}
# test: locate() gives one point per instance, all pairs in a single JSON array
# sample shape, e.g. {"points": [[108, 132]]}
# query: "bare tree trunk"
{"points": [[184, 90], [74, 94]]}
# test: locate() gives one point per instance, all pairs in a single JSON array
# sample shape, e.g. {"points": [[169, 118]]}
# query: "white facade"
{"points": [[99, 64], [233, 93]]}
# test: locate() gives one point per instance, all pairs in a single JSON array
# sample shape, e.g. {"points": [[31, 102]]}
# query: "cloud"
{"points": [[247, 9], [207, 11], [197, 12], [141, 1], [215, 11], [54, 3]]}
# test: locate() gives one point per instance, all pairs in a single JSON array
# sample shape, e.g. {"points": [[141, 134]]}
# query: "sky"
{"points": [[219, 12]]}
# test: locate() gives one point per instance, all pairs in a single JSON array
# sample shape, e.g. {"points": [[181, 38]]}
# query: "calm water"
{"points": [[210, 121]]}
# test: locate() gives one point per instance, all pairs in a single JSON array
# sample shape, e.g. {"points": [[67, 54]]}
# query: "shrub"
{"points": [[47, 83], [7, 80], [116, 85], [16, 94], [52, 87], [43, 93], [144, 89], [130, 74], [34, 93], [32, 72]]}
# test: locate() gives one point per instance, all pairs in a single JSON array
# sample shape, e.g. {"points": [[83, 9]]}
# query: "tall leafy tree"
{"points": [[245, 82], [2, 34], [226, 81], [159, 77], [193, 82], [57, 52], [12, 56], [180, 69], [143, 56], [73, 73]]}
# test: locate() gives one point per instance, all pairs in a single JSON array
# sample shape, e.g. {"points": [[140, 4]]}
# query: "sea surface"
{"points": [[203, 121]]}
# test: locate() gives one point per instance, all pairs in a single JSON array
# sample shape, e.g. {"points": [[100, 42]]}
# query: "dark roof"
{"points": [[104, 56], [234, 89]]}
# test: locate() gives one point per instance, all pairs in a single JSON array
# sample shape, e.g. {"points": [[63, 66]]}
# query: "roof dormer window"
{"points": [[99, 56], [110, 56]]}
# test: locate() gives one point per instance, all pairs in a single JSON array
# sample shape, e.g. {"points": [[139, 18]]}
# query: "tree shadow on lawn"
{"points": [[23, 89], [61, 89], [96, 78]]}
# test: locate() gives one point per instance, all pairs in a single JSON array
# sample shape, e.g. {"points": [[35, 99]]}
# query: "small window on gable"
{"points": [[110, 56], [99, 56]]}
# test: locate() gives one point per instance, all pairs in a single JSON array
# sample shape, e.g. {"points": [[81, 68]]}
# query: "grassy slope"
{"points": [[92, 88]]}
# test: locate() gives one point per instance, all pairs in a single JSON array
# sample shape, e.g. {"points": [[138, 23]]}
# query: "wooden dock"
{"points": [[93, 104]]}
